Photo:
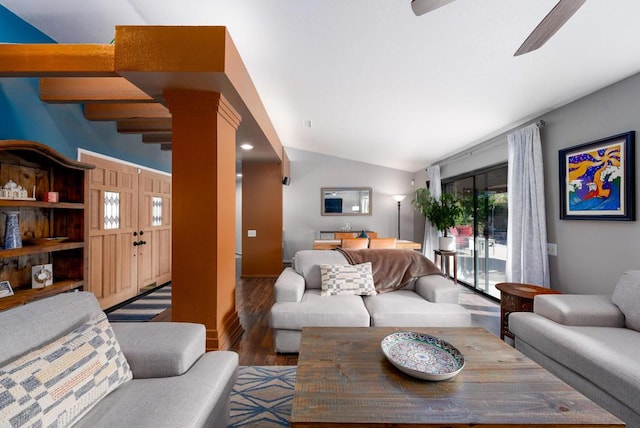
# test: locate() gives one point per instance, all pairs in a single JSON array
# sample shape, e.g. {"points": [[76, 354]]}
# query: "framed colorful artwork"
{"points": [[597, 179]]}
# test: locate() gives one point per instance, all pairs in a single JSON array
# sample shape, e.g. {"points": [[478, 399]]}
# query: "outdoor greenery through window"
{"points": [[481, 229]]}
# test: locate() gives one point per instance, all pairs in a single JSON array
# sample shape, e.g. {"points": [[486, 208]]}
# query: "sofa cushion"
{"points": [[606, 356], [626, 296], [404, 308], [317, 311], [43, 321], [579, 309], [57, 384], [307, 263], [198, 398], [347, 280]]}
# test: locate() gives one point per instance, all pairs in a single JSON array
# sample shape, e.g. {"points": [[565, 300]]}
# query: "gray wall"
{"points": [[591, 254], [311, 171]]}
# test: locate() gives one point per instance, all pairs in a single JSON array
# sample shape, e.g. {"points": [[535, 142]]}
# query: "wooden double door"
{"points": [[129, 229]]}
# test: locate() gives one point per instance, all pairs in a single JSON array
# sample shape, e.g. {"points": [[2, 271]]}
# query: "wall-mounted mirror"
{"points": [[346, 200]]}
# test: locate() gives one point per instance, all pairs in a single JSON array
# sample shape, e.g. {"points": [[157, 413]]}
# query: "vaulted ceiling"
{"points": [[368, 80]]}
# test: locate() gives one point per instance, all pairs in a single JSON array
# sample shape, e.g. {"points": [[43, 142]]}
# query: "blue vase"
{"points": [[12, 237]]}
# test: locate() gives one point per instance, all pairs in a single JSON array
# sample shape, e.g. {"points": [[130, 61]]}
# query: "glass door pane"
{"points": [[491, 237], [481, 232]]}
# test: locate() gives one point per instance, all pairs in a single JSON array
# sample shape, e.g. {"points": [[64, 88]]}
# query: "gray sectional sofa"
{"points": [[430, 300], [62, 363], [592, 342]]}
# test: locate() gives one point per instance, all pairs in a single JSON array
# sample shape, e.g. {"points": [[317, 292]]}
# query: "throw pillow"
{"points": [[54, 386], [344, 280], [626, 296]]}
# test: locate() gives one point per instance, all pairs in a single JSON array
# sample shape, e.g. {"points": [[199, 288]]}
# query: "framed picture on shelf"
{"points": [[5, 289], [597, 179], [41, 275]]}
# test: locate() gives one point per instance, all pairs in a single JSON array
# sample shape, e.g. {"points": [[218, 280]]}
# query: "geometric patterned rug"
{"points": [[143, 308], [262, 396]]}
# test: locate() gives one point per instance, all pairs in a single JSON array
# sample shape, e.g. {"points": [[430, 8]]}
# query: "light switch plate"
{"points": [[251, 233]]}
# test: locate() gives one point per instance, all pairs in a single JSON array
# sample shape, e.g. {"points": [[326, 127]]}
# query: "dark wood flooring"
{"points": [[254, 297]]}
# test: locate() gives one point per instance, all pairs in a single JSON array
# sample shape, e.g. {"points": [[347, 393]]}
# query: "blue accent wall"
{"points": [[61, 126]]}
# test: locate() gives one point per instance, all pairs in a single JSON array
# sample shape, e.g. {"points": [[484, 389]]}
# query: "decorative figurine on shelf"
{"points": [[41, 275], [12, 190]]}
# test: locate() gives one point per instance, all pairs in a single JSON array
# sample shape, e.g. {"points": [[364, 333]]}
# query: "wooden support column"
{"points": [[262, 187], [203, 169]]}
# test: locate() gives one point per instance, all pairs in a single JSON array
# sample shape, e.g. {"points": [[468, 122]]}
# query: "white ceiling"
{"points": [[378, 83]]}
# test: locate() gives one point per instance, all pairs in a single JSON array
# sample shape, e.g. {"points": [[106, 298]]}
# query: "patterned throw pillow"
{"points": [[347, 280], [57, 384]]}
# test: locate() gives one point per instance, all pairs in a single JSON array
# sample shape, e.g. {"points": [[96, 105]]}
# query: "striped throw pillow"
{"points": [[54, 386]]}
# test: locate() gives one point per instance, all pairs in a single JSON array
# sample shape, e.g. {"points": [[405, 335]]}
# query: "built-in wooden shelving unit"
{"points": [[52, 232]]}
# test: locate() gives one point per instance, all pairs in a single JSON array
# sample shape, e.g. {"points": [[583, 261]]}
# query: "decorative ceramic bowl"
{"points": [[422, 356]]}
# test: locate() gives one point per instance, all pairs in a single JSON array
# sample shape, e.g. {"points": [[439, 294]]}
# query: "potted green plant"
{"points": [[442, 212]]}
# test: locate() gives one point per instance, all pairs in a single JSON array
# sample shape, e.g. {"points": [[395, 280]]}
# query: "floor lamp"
{"points": [[399, 199]]}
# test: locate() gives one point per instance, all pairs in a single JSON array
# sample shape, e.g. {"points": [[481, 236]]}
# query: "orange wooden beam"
{"points": [[156, 138], [51, 60], [90, 90], [144, 126], [119, 111], [200, 58]]}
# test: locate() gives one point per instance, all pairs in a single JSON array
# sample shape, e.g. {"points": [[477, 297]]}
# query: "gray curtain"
{"points": [[430, 241], [527, 259]]}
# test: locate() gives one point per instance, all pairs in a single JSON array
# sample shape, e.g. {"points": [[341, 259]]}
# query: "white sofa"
{"points": [[62, 363], [592, 342], [425, 301]]}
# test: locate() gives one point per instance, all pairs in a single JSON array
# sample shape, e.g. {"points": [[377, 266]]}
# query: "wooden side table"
{"points": [[516, 297], [447, 254]]}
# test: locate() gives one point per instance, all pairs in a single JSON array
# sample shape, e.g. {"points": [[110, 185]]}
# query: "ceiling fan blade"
{"points": [[420, 7], [551, 23]]}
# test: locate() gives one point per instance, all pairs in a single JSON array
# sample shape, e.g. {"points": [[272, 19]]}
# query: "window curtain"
{"points": [[527, 259], [430, 241]]}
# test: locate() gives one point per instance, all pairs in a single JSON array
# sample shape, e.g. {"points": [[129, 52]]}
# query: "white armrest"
{"points": [[289, 286], [579, 310], [437, 289]]}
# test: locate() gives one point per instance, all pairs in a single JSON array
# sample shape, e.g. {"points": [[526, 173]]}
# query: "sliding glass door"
{"points": [[481, 232]]}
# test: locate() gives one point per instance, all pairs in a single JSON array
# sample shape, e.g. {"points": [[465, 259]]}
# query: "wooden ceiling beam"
{"points": [[90, 90], [156, 138], [144, 126], [126, 111], [56, 60]]}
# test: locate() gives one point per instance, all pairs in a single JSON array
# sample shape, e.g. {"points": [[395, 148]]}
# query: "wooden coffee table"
{"points": [[344, 378]]}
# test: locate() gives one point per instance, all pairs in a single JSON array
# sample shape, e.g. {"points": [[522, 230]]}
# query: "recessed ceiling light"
{"points": [[246, 146]]}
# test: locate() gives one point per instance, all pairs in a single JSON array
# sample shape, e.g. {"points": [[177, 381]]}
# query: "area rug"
{"points": [[262, 396], [143, 308]]}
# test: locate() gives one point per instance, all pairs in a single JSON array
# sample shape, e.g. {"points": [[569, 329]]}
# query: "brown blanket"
{"points": [[392, 268]]}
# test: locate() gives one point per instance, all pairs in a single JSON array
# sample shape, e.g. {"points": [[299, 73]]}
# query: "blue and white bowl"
{"points": [[423, 356]]}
